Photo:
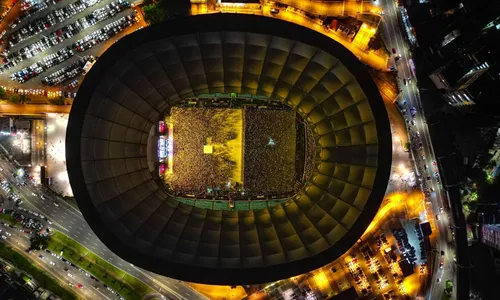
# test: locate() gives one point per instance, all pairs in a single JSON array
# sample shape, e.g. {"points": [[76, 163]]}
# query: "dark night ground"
{"points": [[483, 275]]}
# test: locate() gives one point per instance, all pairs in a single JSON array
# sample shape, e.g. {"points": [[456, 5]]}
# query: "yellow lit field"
{"points": [[207, 148], [236, 146]]}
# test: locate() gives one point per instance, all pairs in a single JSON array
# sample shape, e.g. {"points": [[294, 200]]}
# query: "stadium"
{"points": [[228, 149]]}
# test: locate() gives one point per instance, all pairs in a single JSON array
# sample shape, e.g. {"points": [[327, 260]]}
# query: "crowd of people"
{"points": [[268, 149], [269, 155], [195, 172]]}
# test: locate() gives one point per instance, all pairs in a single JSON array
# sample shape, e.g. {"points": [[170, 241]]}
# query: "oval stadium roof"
{"points": [[140, 77]]}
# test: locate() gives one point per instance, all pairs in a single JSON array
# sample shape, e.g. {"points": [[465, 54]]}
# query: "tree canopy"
{"points": [[162, 10], [19, 99], [39, 242]]}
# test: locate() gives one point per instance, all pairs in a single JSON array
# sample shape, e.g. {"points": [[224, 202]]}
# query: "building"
{"points": [[490, 235], [458, 40], [458, 81], [143, 75]]}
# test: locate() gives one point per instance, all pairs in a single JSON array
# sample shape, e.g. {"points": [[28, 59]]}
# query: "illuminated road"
{"points": [[394, 39], [20, 242], [70, 222], [337, 8], [32, 109], [38, 140]]}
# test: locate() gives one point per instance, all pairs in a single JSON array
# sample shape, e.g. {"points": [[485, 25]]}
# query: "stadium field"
{"points": [[194, 128], [269, 151]]}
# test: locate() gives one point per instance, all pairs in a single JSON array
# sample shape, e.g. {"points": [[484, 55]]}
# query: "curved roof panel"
{"points": [[139, 78]]}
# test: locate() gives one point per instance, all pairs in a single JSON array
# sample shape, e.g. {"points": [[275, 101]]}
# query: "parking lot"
{"points": [[371, 267], [374, 268], [49, 45]]}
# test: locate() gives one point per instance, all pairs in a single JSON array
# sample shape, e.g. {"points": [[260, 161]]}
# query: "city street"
{"points": [[410, 98], [56, 268], [32, 109], [349, 7], [38, 139], [70, 222]]}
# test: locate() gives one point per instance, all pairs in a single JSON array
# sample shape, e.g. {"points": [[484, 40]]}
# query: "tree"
{"points": [[153, 14], [178, 8], [491, 164], [162, 10], [3, 94], [23, 99], [58, 101], [406, 146], [14, 99], [39, 242]]}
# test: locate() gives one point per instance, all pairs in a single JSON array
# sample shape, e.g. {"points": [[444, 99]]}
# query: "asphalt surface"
{"points": [[394, 38], [32, 109], [332, 8], [70, 222], [38, 140], [63, 273]]}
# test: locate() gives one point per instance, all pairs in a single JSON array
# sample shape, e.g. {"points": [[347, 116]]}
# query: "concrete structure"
{"points": [[146, 73]]}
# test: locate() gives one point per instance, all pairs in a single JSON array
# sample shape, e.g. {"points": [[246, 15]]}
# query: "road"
{"points": [[58, 269], [334, 8], [420, 133], [32, 109], [38, 140], [70, 222]]}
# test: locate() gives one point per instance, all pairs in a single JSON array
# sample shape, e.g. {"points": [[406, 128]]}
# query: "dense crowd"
{"points": [[268, 167], [193, 171], [269, 157]]}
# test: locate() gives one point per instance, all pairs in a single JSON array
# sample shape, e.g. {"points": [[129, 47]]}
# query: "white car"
{"points": [[70, 275], [4, 237], [52, 263]]}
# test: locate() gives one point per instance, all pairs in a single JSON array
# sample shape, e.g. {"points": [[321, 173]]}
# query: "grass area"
{"points": [[45, 280], [8, 219], [71, 201], [128, 286]]}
